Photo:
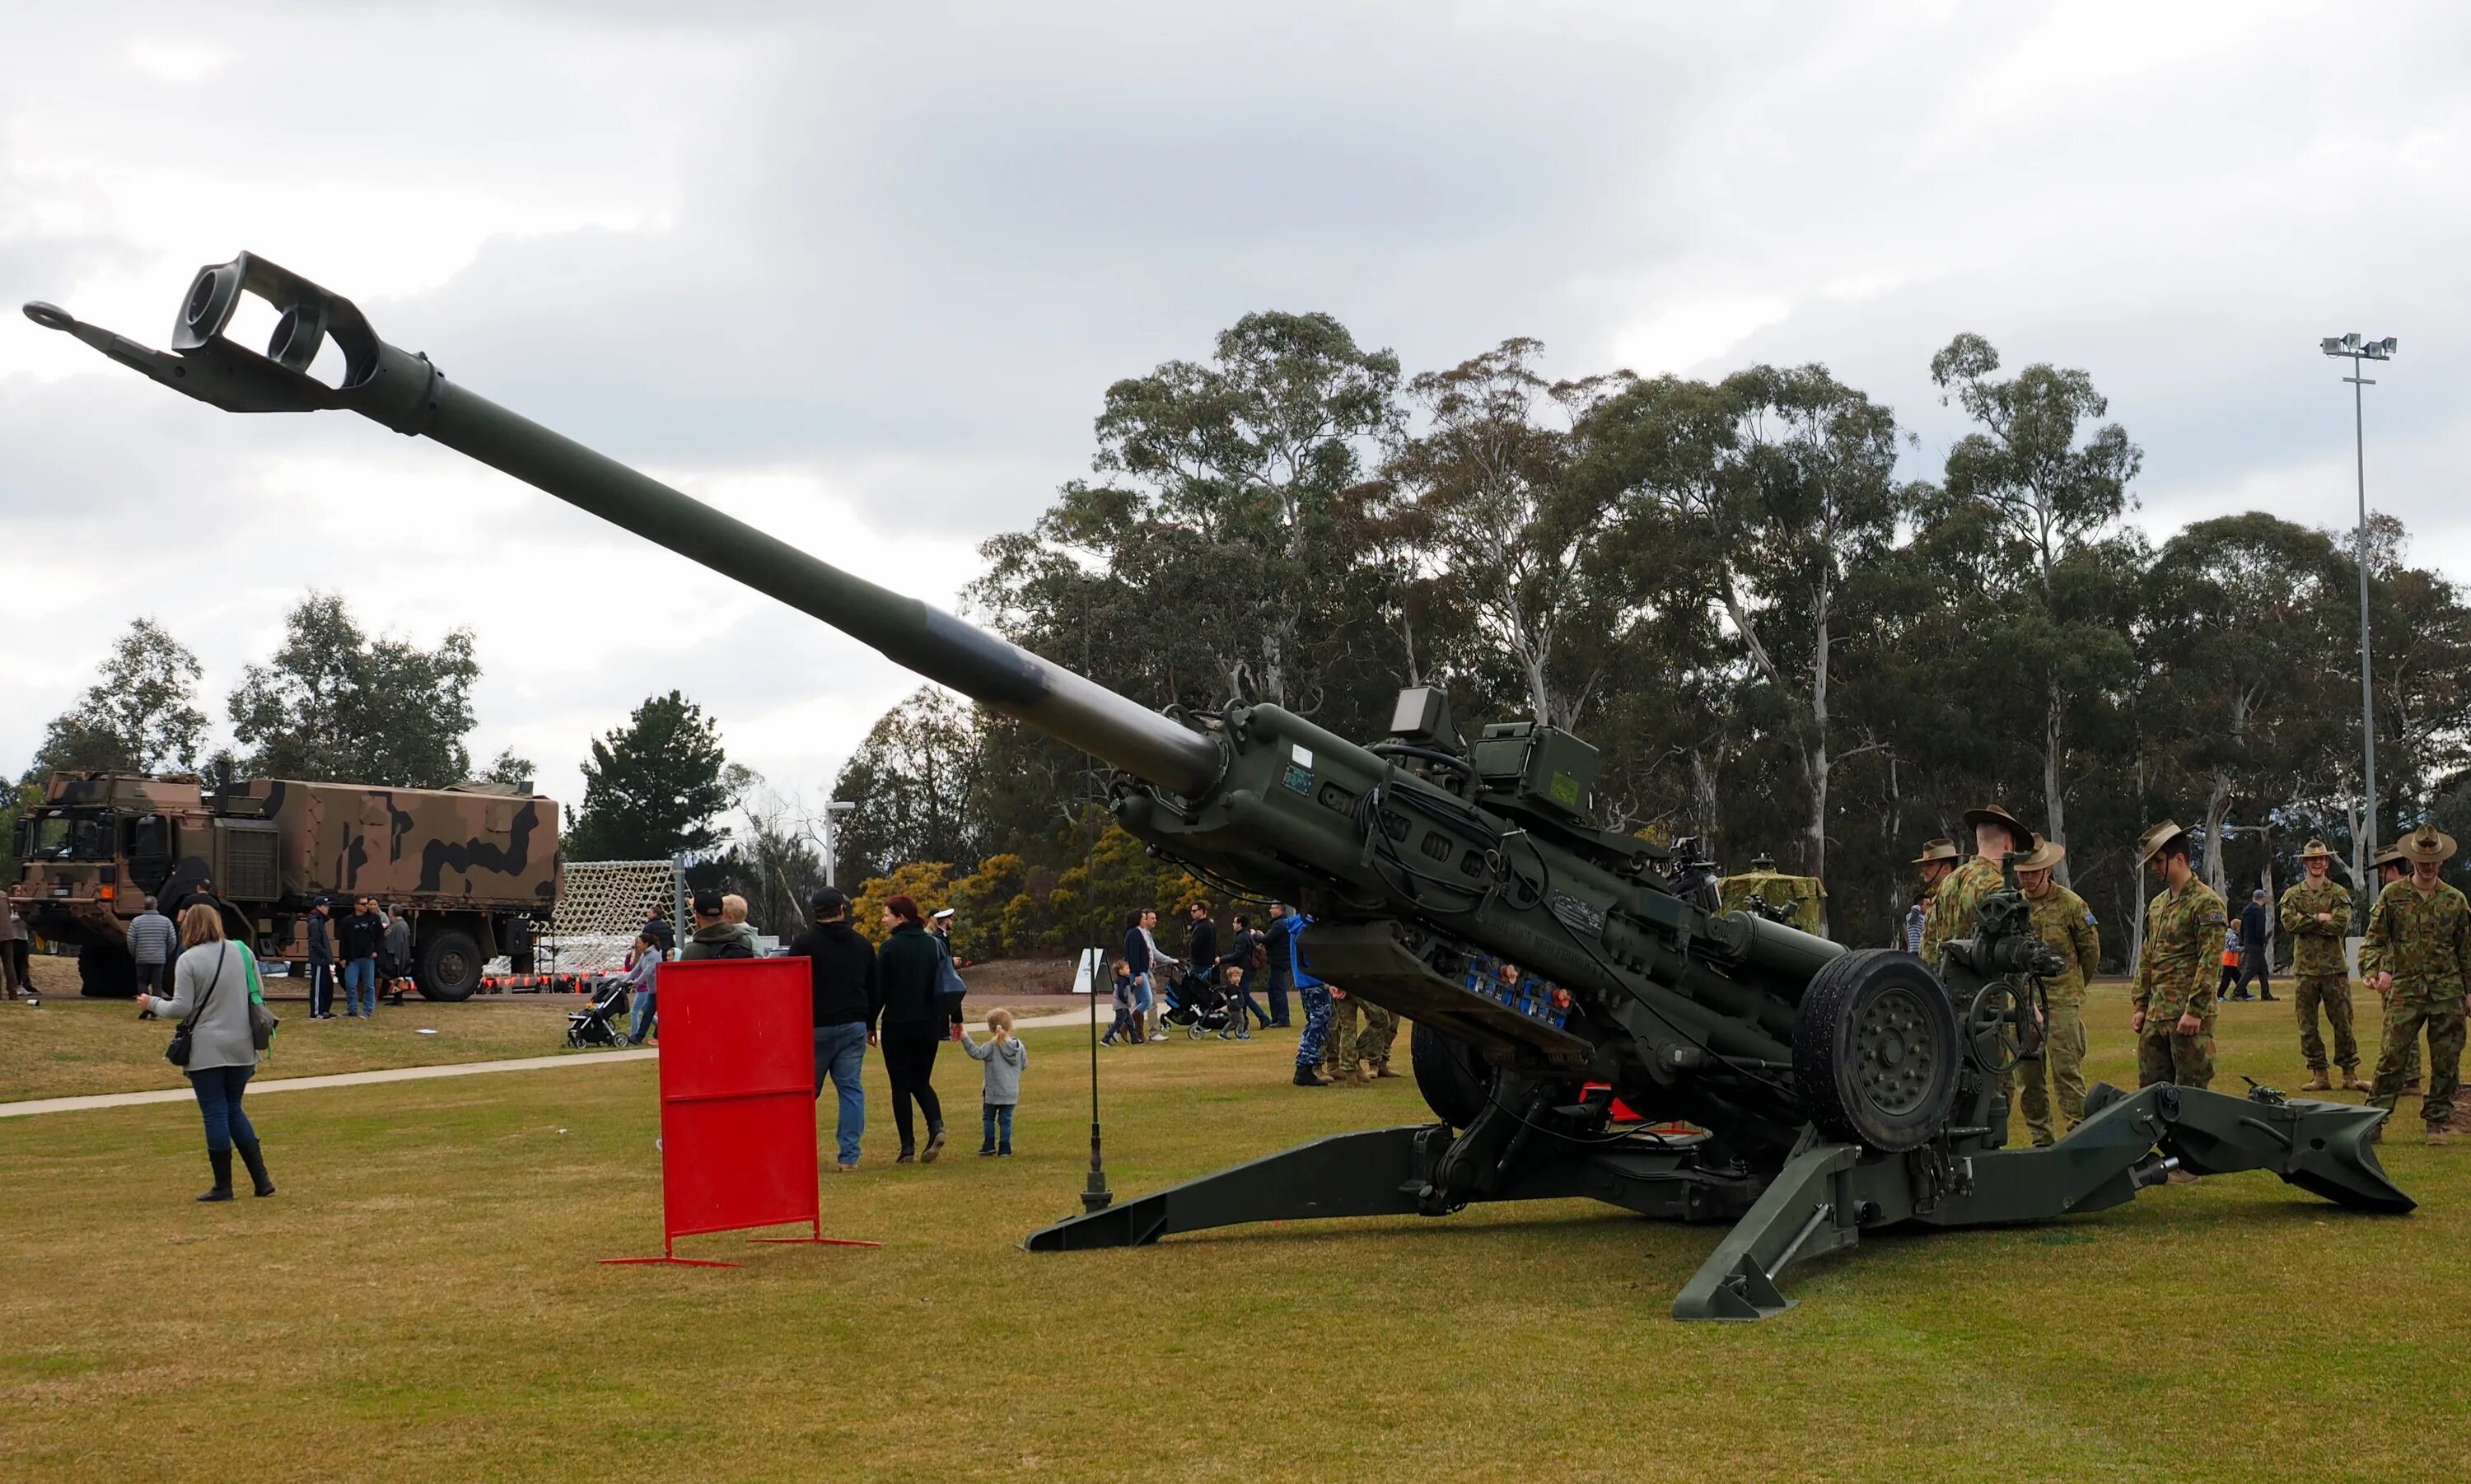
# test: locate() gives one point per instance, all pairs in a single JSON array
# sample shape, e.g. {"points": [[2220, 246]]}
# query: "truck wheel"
{"points": [[106, 972], [450, 965], [1875, 1050], [1453, 1078]]}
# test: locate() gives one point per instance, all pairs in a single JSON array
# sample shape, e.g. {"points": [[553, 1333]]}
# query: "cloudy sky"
{"points": [[860, 276]]}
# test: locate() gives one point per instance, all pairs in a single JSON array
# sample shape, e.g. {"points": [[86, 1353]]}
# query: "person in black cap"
{"points": [[715, 936], [321, 962], [841, 966]]}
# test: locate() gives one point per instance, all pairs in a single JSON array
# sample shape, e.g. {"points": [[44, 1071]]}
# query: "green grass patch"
{"points": [[69, 1047], [420, 1302]]}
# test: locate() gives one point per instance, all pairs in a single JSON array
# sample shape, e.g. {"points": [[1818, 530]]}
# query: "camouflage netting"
{"points": [[600, 906]]}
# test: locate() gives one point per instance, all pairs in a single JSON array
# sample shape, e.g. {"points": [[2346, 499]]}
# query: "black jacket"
{"points": [[322, 946], [906, 971], [841, 966], [364, 934], [663, 933], [2252, 925], [1201, 948]]}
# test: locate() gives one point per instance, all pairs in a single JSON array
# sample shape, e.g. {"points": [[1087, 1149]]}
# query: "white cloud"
{"points": [[862, 276]]}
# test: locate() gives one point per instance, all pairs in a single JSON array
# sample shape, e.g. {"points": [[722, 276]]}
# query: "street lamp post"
{"points": [[2358, 350], [832, 837]]}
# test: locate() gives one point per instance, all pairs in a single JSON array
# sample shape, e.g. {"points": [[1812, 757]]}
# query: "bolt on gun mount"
{"points": [[1549, 967]]}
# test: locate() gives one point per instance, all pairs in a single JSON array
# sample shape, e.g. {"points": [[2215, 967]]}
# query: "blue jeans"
{"points": [[1141, 1001], [218, 1089], [841, 1053], [642, 1020], [997, 1118], [1316, 1024], [360, 978]]}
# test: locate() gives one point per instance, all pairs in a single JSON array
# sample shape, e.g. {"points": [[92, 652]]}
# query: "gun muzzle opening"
{"points": [[51, 317]]}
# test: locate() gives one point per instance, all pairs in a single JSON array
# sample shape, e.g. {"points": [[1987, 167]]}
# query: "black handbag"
{"points": [[178, 1052]]}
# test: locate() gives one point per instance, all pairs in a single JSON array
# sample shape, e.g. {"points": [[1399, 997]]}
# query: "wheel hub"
{"points": [[1895, 1063]]}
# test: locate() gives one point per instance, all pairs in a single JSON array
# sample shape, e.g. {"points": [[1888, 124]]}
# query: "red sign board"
{"points": [[738, 1110]]}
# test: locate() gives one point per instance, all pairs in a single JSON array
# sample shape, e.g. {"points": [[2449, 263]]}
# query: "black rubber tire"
{"points": [[106, 972], [448, 968], [1453, 1078], [1856, 997]]}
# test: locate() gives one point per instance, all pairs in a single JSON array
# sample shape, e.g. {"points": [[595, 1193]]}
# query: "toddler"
{"points": [[1004, 1056], [1123, 1024]]}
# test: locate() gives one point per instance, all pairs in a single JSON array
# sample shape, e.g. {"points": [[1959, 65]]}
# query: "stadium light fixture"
{"points": [[2354, 348]]}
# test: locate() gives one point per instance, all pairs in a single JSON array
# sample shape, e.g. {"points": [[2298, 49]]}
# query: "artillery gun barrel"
{"points": [[404, 392], [909, 632]]}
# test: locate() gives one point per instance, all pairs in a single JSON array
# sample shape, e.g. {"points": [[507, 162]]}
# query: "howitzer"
{"points": [[1549, 967]]}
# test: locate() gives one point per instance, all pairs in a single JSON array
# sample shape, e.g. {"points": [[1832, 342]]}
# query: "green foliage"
{"points": [[509, 766], [336, 705], [139, 716], [655, 786], [1775, 642], [912, 780]]}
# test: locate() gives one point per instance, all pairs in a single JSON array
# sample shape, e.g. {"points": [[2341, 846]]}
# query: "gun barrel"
{"points": [[1058, 702], [404, 392]]}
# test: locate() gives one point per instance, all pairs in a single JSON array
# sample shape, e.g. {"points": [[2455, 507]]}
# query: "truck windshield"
{"points": [[72, 834]]}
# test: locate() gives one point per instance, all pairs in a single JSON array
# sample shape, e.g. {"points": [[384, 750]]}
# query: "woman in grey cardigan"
{"points": [[214, 974]]}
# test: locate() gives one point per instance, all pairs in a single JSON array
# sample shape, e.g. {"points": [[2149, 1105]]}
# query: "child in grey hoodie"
{"points": [[1004, 1056]]}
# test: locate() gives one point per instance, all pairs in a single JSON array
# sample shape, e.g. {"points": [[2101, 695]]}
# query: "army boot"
{"points": [[1305, 1076], [2411, 1089], [2316, 1082], [2351, 1082], [1381, 1069], [2438, 1138]]}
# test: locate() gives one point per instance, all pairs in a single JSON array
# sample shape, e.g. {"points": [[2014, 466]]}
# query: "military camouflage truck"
{"points": [[475, 866]]}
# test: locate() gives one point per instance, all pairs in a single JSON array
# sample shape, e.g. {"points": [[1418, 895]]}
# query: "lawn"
{"points": [[68, 1047], [420, 1302]]}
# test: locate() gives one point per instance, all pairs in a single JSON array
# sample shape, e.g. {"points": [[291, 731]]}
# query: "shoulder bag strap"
{"points": [[200, 1008]]}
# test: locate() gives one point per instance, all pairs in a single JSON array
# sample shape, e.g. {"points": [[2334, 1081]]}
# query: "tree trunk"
{"points": [[2218, 809], [2135, 914], [1815, 848], [2051, 802]]}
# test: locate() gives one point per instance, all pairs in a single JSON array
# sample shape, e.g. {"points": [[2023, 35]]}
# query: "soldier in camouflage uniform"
{"points": [[2067, 926], [2417, 950], [2391, 867], [1952, 902], [2175, 993], [2316, 914], [1354, 1058]]}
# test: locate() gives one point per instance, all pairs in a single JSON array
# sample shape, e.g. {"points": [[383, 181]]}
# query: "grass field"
{"points": [[420, 1302]]}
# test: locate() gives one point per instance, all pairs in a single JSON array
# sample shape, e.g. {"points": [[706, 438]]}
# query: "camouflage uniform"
{"points": [[2425, 943], [2066, 925], [1952, 904], [2325, 978], [1348, 1049], [2183, 933]]}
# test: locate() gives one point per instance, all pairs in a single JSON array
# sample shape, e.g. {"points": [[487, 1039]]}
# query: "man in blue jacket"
{"points": [[1287, 925]]}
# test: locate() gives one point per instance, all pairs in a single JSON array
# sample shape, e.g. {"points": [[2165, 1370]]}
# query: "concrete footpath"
{"points": [[17, 1110]]}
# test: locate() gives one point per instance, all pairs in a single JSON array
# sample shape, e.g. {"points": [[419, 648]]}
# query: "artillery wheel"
{"points": [[1453, 1078], [449, 965], [1991, 1027], [1875, 1050]]}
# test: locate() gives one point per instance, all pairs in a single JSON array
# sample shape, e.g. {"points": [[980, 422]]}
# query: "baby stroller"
{"points": [[1196, 1002], [598, 1024]]}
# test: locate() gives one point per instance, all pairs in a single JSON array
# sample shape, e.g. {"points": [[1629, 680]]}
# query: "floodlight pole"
{"points": [[2357, 350], [833, 810]]}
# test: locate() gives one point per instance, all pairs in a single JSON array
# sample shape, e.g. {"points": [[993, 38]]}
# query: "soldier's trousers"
{"points": [[1347, 1045], [2164, 1055], [2334, 992], [2062, 1066], [1316, 1026], [2410, 1048], [2409, 1011]]}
